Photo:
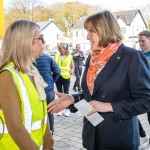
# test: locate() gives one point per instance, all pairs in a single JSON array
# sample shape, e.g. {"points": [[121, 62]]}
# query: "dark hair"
{"points": [[106, 27], [145, 33]]}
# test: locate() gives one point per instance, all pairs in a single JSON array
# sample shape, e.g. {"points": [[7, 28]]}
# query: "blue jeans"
{"points": [[50, 96]]}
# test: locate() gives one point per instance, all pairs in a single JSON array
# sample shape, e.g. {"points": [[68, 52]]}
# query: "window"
{"points": [[76, 33], [58, 37], [123, 30], [82, 33]]}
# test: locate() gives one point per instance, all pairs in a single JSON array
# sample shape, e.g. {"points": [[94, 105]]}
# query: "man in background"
{"points": [[50, 72], [78, 58], [144, 42]]}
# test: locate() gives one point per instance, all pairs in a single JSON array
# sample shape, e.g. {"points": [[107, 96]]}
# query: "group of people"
{"points": [[115, 82]]}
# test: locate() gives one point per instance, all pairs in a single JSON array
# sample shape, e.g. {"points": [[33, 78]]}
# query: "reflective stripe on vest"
{"points": [[64, 66], [35, 125], [27, 107], [68, 62], [38, 121], [41, 147], [27, 110]]}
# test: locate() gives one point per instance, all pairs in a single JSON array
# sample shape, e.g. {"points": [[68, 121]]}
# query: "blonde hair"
{"points": [[64, 46], [106, 27], [17, 44]]}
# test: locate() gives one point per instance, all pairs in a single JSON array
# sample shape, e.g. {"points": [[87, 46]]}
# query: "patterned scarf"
{"points": [[98, 62]]}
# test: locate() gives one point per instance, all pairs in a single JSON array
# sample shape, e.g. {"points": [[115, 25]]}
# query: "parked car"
{"points": [[52, 51]]}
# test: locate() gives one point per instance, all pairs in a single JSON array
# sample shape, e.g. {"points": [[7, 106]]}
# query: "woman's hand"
{"points": [[100, 107], [62, 102], [71, 72]]}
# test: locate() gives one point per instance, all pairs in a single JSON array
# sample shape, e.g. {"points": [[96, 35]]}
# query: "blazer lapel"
{"points": [[84, 82], [107, 70]]}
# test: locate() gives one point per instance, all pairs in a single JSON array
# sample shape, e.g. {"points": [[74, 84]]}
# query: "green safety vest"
{"points": [[64, 65], [34, 111]]}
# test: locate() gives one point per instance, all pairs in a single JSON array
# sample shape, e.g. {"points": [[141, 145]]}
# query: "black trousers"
{"points": [[77, 72], [63, 85]]}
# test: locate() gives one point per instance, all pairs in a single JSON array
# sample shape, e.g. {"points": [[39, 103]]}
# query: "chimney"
{"points": [[51, 20]]}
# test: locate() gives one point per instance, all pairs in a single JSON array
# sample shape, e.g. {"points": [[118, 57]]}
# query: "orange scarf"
{"points": [[98, 62]]}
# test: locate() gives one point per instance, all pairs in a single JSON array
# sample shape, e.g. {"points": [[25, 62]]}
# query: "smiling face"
{"points": [[38, 44], [93, 37]]}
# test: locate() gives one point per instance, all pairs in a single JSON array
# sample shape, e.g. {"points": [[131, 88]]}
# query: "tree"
{"points": [[1, 19], [64, 15], [27, 9]]}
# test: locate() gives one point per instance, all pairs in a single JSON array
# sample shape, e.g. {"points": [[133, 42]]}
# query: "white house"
{"points": [[131, 23], [51, 32], [79, 34]]}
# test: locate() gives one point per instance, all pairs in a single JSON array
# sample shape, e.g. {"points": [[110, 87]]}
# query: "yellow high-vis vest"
{"points": [[1, 19], [64, 65], [34, 111]]}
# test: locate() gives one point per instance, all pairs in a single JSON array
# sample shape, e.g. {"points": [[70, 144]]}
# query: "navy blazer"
{"points": [[125, 83]]}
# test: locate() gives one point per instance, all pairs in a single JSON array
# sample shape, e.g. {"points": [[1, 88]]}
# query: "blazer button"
{"points": [[103, 95]]}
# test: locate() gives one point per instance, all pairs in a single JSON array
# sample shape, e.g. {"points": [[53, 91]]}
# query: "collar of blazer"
{"points": [[110, 66]]}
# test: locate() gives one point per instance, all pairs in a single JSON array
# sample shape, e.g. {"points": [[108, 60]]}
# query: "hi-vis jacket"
{"points": [[64, 65], [34, 111]]}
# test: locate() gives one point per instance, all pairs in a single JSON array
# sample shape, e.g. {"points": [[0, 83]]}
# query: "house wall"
{"points": [[132, 31], [79, 37], [1, 43], [129, 32], [52, 35]]}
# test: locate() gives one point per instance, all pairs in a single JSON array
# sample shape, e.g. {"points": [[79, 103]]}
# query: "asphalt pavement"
{"points": [[68, 130]]}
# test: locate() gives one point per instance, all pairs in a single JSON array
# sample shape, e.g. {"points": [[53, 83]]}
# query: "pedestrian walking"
{"points": [[78, 58], [115, 82]]}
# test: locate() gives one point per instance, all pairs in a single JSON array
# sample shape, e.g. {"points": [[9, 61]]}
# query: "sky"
{"points": [[113, 5]]}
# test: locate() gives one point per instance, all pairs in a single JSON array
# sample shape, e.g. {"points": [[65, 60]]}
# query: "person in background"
{"points": [[50, 72], [144, 42], [78, 58], [23, 111], [115, 83], [65, 63]]}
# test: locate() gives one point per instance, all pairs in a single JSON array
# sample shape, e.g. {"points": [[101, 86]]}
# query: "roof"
{"points": [[44, 24], [126, 16], [80, 23]]}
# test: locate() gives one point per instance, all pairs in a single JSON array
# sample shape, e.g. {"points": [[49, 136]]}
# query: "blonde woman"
{"points": [[23, 109], [65, 63]]}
